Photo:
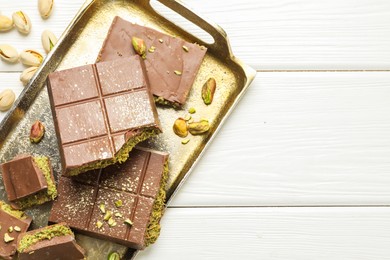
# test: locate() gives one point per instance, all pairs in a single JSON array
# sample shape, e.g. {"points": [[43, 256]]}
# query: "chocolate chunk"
{"points": [[171, 63], [22, 177], [51, 242], [28, 181], [19, 223], [129, 192], [100, 112]]}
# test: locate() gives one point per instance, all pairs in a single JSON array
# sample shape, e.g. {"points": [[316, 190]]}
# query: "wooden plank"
{"points": [[269, 35], [300, 139], [273, 233]]}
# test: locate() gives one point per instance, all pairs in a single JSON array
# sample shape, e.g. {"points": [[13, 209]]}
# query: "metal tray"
{"points": [[80, 45]]}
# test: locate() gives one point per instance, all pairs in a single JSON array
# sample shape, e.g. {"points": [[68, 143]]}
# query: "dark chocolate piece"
{"points": [[100, 112], [11, 220], [130, 191], [51, 242], [22, 177], [171, 63], [28, 181]]}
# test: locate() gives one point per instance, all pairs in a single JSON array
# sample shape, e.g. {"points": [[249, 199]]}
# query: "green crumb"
{"points": [[121, 156], [13, 212], [153, 229], [118, 203], [45, 233], [192, 110], [43, 196]]}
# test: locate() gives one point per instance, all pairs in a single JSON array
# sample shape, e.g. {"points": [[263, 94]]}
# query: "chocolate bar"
{"points": [[124, 204], [101, 112], [13, 223], [51, 242], [28, 181], [171, 63]]}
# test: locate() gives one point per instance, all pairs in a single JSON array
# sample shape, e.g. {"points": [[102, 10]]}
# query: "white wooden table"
{"points": [[301, 170]]}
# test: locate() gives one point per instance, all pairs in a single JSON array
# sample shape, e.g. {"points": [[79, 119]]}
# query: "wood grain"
{"points": [[300, 139], [273, 233]]}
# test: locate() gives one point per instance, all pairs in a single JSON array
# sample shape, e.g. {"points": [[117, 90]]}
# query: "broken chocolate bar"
{"points": [[101, 112], [171, 63], [51, 242], [28, 181], [13, 223], [124, 204]]}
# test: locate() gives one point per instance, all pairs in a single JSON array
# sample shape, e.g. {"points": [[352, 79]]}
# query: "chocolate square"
{"points": [[100, 112], [22, 178], [128, 191], [170, 54]]}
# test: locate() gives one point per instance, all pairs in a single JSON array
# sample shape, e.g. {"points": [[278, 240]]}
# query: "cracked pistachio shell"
{"points": [[9, 53], [6, 23], [27, 74], [45, 8], [31, 58], [22, 22], [48, 40], [7, 98]]}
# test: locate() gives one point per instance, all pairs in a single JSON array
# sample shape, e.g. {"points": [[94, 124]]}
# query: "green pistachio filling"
{"points": [[121, 156], [43, 196], [164, 102], [13, 212], [48, 233], [153, 230]]}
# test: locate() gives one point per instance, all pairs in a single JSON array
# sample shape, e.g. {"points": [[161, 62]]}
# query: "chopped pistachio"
{"points": [[185, 141], [102, 208], [187, 117], [17, 229], [111, 222], [185, 48], [10, 229], [118, 203], [8, 238], [161, 40], [192, 110], [114, 256], [128, 222], [99, 224], [151, 49], [119, 215], [108, 215], [178, 72]]}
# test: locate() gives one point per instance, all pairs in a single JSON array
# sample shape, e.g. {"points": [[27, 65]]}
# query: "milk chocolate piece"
{"points": [[171, 63], [100, 112], [133, 191], [28, 181], [18, 221], [48, 243], [22, 177]]}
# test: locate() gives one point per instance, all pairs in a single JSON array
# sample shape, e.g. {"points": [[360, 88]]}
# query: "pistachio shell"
{"points": [[27, 74], [45, 8], [48, 40], [31, 58], [22, 22], [6, 23], [9, 53], [7, 98]]}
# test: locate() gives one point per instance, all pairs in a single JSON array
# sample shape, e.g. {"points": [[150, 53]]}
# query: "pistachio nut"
{"points": [[7, 98], [22, 22], [6, 23], [197, 128], [48, 40], [9, 53], [31, 58], [8, 238], [27, 74], [45, 8], [208, 91], [37, 132], [180, 127], [139, 46], [114, 256]]}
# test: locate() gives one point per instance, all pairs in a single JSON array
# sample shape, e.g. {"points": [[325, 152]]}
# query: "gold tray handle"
{"points": [[221, 41]]}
